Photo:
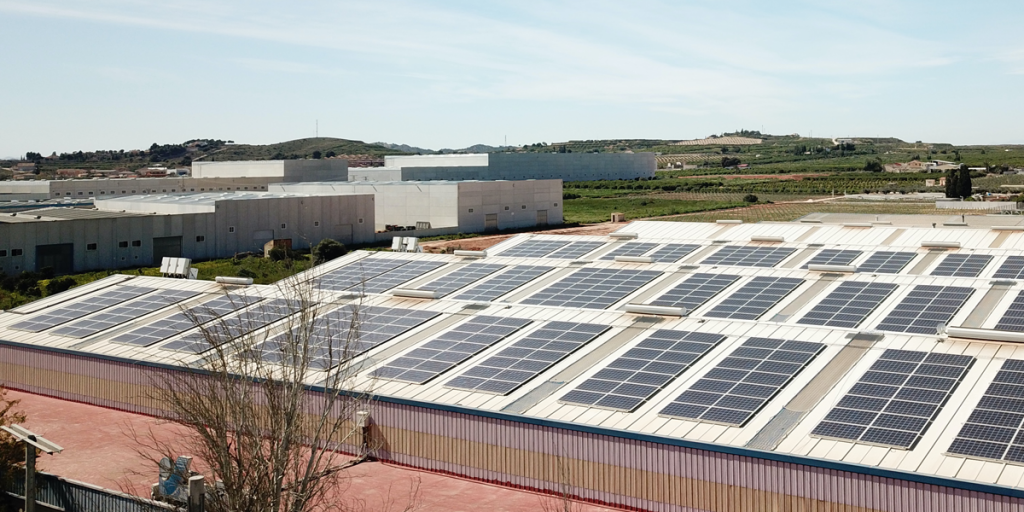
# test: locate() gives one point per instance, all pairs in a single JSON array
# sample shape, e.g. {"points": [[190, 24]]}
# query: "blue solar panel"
{"points": [[87, 305]]}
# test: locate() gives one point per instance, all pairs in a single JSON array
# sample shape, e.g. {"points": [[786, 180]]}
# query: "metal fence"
{"points": [[56, 493]]}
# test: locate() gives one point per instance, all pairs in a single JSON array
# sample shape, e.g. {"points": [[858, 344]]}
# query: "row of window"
{"points": [[104, 192], [14, 252], [507, 208]]}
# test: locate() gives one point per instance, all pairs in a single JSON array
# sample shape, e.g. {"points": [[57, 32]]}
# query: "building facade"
{"points": [[512, 166]]}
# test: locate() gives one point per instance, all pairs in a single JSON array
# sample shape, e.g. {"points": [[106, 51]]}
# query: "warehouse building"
{"points": [[327, 169], [511, 166], [141, 230], [451, 206], [667, 366]]}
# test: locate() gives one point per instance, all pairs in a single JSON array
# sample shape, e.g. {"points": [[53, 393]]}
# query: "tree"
{"points": [[952, 190], [249, 418], [317, 155], [327, 250], [874, 165], [750, 198], [964, 184], [12, 453], [730, 161], [33, 156]]}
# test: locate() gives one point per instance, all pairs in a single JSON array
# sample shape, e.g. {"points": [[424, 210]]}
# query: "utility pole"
{"points": [[32, 443]]}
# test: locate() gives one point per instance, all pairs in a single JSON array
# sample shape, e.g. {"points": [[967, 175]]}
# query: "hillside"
{"points": [[300, 148]]}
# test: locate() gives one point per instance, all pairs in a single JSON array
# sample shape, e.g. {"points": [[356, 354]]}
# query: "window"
{"points": [[15, 252], [102, 192], [3, 253], [202, 190], [67, 193], [231, 229], [122, 258], [133, 191], [247, 188], [200, 238], [80, 193], [316, 224], [55, 194], [123, 244], [470, 210], [90, 247], [284, 226], [506, 208], [191, 190], [360, 221], [556, 204], [524, 206], [123, 191], [136, 243]]}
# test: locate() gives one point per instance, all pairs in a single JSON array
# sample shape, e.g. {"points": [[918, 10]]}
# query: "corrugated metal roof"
{"points": [[784, 424]]}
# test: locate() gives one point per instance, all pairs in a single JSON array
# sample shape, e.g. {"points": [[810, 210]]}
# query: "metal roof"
{"points": [[784, 424]]}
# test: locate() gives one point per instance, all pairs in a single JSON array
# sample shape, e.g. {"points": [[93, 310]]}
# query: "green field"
{"points": [[792, 211], [588, 211]]}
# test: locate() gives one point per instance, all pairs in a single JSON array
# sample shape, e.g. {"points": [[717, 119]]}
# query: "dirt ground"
{"points": [[484, 242]]}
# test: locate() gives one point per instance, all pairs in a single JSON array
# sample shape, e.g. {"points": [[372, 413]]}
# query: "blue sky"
{"points": [[122, 74]]}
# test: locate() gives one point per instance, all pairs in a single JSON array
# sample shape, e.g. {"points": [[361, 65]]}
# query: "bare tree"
{"points": [[565, 498], [251, 420]]}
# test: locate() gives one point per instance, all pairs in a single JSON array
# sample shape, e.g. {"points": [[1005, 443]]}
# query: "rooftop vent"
{"points": [[623, 235], [643, 309], [985, 334], [729, 221], [1007, 228], [857, 225], [941, 245], [634, 259], [414, 294], [471, 254], [764, 238]]}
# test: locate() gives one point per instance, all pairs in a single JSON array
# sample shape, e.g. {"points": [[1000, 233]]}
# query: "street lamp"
{"points": [[32, 442]]}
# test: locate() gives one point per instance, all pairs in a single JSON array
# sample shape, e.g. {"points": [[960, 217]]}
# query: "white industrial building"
{"points": [[327, 169], [451, 206], [672, 366], [511, 166], [140, 230]]}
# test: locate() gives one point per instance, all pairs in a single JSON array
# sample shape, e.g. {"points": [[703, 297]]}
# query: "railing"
{"points": [[56, 493]]}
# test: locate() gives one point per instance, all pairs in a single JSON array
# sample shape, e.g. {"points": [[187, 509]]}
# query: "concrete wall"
{"points": [[473, 160], [526, 166], [306, 220], [327, 169], [515, 202], [374, 174]]}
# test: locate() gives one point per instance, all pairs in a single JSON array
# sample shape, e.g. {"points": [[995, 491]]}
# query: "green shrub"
{"points": [[327, 250]]}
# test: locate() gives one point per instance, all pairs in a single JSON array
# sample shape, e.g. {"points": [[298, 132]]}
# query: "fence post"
{"points": [[30, 478], [196, 494]]}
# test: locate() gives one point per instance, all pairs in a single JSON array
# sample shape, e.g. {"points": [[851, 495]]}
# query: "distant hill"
{"points": [[405, 148], [476, 148], [300, 148]]}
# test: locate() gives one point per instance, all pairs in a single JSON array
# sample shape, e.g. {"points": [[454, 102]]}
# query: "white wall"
{"points": [[472, 160], [327, 169]]}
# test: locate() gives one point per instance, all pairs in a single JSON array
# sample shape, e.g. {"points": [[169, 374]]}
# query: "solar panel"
{"points": [[755, 298], [233, 327], [962, 265], [469, 274], [527, 357], [886, 262], [695, 291], [1012, 268], [630, 249], [534, 248], [633, 378], [87, 305], [503, 283], [848, 305], [334, 337], [745, 256], [595, 288], [925, 309], [672, 253], [994, 428], [833, 257], [1013, 319], [181, 322], [123, 313], [451, 348], [575, 250], [738, 387], [896, 399], [350, 275], [393, 278]]}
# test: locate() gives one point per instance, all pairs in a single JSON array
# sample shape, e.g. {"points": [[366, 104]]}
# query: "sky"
{"points": [[123, 74]]}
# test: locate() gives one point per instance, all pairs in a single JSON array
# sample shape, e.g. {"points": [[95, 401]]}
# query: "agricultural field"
{"points": [[588, 211], [785, 212]]}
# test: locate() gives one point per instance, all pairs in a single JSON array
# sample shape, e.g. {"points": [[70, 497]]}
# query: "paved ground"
{"points": [[99, 450]]}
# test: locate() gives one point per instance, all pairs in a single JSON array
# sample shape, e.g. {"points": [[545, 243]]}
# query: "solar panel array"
{"points": [[848, 305], [886, 262], [123, 313], [896, 399], [451, 348], [734, 390], [833, 257], [523, 360], [90, 304], [595, 288], [672, 253], [1013, 319], [575, 250], [755, 298], [534, 248], [181, 322], [393, 278], [925, 309], [503, 283], [695, 291], [1012, 268], [994, 428], [350, 275], [460, 278], [962, 265], [230, 328], [633, 378], [340, 335], [630, 249], [748, 256]]}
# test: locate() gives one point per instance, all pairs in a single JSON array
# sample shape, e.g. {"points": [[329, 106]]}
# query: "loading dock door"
{"points": [[542, 217], [491, 222], [59, 257], [166, 247]]}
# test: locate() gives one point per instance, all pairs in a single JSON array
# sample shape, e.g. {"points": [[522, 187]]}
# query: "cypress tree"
{"points": [[951, 179], [965, 182]]}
